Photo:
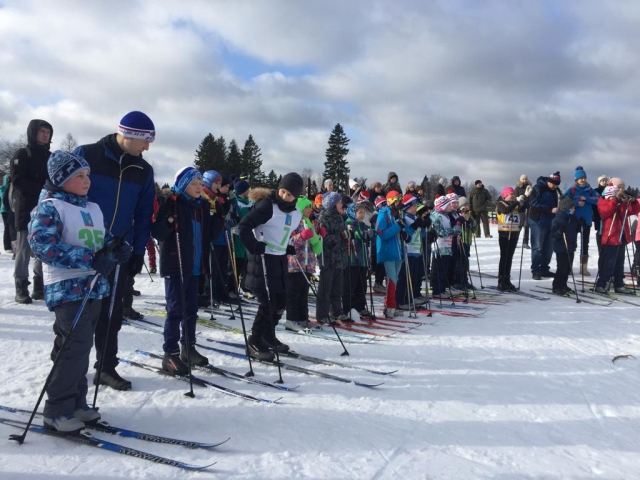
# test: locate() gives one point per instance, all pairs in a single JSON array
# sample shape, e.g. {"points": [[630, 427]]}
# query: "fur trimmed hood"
{"points": [[260, 193]]}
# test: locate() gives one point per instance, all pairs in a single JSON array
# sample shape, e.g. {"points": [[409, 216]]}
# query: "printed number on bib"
{"points": [[93, 239]]}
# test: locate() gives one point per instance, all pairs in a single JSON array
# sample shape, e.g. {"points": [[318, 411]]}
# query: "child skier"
{"points": [[509, 221], [355, 275], [265, 232], [391, 235], [333, 260], [445, 231], [564, 230], [308, 244], [183, 228], [67, 233], [413, 226], [615, 207]]}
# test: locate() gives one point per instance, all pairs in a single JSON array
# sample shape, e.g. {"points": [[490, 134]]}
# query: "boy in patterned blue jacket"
{"points": [[67, 233]]}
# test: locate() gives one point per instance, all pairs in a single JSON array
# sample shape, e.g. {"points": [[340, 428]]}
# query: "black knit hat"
{"points": [[293, 183]]}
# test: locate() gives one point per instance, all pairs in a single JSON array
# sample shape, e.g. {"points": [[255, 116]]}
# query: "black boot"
{"points": [[503, 286], [22, 291], [38, 288], [512, 287], [195, 357], [257, 348], [113, 380]]}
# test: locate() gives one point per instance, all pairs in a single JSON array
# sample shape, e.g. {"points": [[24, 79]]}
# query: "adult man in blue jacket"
{"points": [[543, 207], [122, 184]]}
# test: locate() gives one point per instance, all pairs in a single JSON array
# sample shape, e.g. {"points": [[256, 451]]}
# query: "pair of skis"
{"points": [[86, 438]]}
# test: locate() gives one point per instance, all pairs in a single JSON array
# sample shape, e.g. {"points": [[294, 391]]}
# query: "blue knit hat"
{"points": [[184, 177], [64, 165], [240, 186], [137, 125], [580, 173], [330, 200]]}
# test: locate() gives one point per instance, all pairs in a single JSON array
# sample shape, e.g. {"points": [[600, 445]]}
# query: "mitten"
{"points": [[306, 234]]}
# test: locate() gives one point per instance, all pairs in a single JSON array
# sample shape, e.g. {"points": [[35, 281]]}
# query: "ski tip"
{"points": [[187, 466], [368, 385], [211, 445]]}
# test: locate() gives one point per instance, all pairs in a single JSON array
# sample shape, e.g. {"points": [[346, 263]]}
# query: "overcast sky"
{"points": [[481, 89]]}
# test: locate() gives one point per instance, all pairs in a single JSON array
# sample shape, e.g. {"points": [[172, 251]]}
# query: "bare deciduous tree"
{"points": [[69, 143]]}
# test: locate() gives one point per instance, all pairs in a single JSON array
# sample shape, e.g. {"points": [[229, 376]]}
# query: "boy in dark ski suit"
{"points": [[67, 233], [564, 228], [184, 214], [265, 232]]}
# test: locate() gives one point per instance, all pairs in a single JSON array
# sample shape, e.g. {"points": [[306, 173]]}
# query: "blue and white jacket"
{"points": [[45, 240]]}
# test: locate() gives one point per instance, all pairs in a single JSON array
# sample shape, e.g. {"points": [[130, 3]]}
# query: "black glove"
{"points": [[259, 248], [369, 234], [418, 223], [291, 250], [404, 236], [122, 253], [583, 222], [562, 230], [135, 264], [401, 223], [101, 262], [346, 234]]}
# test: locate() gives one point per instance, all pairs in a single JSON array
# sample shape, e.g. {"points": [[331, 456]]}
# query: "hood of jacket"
{"points": [[32, 133], [391, 175], [260, 193]]}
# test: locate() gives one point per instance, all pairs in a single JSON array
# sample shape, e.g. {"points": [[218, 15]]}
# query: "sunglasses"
{"points": [[463, 210]]}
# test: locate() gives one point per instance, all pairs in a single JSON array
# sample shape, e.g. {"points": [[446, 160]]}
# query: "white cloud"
{"points": [[489, 89]]}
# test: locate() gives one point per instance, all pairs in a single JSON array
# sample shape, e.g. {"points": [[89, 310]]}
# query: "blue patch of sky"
{"points": [[247, 67]]}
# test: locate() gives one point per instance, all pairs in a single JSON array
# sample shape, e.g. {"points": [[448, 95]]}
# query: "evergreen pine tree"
{"points": [[205, 154], [234, 159], [272, 180], [337, 167], [251, 162]]}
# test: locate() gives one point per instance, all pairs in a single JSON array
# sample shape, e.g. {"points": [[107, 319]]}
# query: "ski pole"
{"points": [[566, 246], [526, 215], [147, 269], [20, 438], [184, 307], [622, 225], [318, 302], [250, 373], [475, 246], [270, 305], [603, 251], [114, 294]]}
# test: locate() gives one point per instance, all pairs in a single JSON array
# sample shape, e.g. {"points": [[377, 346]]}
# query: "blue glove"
{"points": [[102, 264], [122, 253]]}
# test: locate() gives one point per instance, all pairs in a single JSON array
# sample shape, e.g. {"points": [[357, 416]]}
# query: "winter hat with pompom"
{"points": [[580, 173]]}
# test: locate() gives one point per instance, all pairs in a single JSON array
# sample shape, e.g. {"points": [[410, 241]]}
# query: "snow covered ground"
{"points": [[527, 390]]}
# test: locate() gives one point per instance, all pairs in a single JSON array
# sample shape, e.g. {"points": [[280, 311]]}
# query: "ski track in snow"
{"points": [[527, 390]]}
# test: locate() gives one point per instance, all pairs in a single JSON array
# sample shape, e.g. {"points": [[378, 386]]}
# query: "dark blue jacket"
{"points": [[124, 188], [543, 200], [194, 227], [568, 223]]}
